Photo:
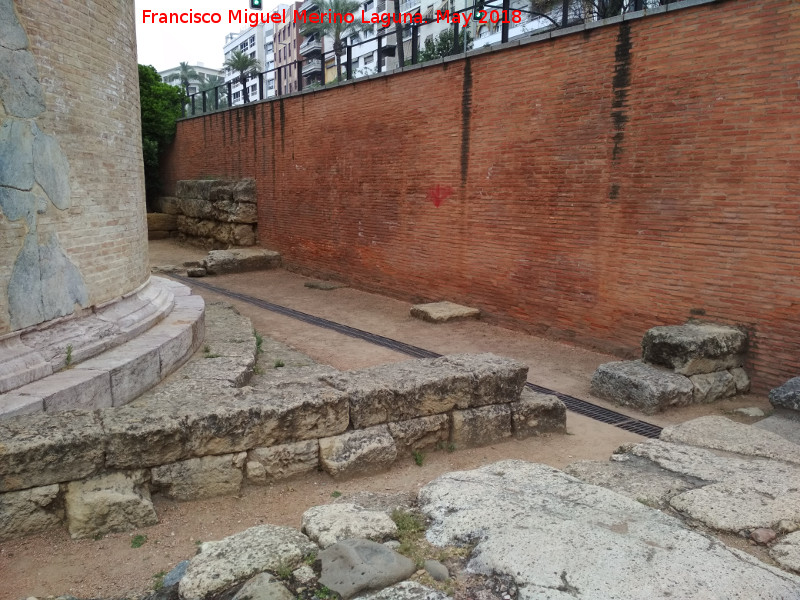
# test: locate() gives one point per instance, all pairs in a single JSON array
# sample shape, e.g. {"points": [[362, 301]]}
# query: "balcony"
{"points": [[312, 66], [310, 46], [409, 5], [310, 5]]}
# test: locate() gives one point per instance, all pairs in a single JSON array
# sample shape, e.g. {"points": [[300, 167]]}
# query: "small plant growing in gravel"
{"points": [[310, 558], [138, 541], [257, 370], [207, 352], [324, 593], [68, 359], [279, 363], [259, 342], [335, 494], [284, 571], [419, 457], [158, 580]]}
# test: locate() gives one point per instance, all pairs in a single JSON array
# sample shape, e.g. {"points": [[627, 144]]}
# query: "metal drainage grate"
{"points": [[576, 405]]}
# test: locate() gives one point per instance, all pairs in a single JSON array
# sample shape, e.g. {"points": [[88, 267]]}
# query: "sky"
{"points": [[167, 45]]}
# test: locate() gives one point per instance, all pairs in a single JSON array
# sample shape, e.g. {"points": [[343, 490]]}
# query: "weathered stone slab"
{"points": [[421, 433], [782, 425], [740, 379], [240, 260], [634, 383], [558, 537], [29, 511], [283, 461], [710, 387], [787, 395], [21, 364], [481, 426], [442, 312], [331, 523], [37, 450], [198, 478], [11, 33], [264, 587], [109, 503], [634, 477], [694, 347], [357, 452], [218, 565], [133, 367], [787, 552], [16, 154], [405, 590], [82, 389], [209, 231], [352, 566], [537, 413], [24, 98], [13, 404], [720, 433], [403, 391]]}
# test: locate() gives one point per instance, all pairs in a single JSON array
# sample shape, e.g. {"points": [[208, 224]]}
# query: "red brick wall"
{"points": [[589, 187]]}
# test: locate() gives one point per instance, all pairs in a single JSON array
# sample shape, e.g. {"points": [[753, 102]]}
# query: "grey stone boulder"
{"points": [[357, 452], [109, 503], [219, 262], [740, 379], [648, 388], [197, 478], [786, 552], [406, 590], [331, 523], [29, 511], [352, 566], [437, 570], [694, 347], [719, 433], [263, 587], [787, 395], [557, 537], [442, 312], [221, 564], [710, 387]]}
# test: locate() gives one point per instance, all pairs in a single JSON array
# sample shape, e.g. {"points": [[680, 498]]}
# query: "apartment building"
{"points": [[258, 43], [172, 76], [287, 45]]}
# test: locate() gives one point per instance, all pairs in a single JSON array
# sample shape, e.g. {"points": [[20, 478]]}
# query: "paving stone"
{"points": [[634, 383], [41, 449], [694, 347], [550, 532], [286, 460], [357, 452], [720, 433], [419, 434], [29, 511], [710, 387], [108, 503], [537, 413], [403, 391], [481, 426], [197, 478], [785, 425], [331, 523], [263, 587], [442, 312], [787, 552], [787, 395], [220, 262], [352, 566], [218, 565]]}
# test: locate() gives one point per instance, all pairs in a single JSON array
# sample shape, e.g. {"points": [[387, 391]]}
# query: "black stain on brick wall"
{"points": [[466, 118], [621, 84], [283, 125]]}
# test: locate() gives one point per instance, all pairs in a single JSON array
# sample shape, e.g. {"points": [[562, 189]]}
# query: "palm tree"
{"points": [[335, 30], [186, 74], [208, 83], [246, 66]]}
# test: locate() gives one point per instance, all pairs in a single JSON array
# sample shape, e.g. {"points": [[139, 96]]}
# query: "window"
{"points": [[354, 39], [253, 54], [192, 89], [381, 6], [369, 59], [269, 47], [236, 96], [252, 41], [253, 88], [270, 65], [243, 46], [369, 5], [270, 84]]}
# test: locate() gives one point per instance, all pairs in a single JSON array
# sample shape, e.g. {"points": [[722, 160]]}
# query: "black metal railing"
{"points": [[401, 42]]}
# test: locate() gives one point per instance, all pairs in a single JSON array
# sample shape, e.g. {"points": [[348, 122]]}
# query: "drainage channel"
{"points": [[576, 405]]}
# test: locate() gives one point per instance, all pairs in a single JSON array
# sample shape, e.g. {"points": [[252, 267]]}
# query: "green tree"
{"points": [[442, 46], [247, 67], [185, 75], [161, 105], [208, 83], [336, 30]]}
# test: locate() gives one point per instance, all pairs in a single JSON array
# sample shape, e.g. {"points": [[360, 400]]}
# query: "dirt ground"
{"points": [[52, 564]]}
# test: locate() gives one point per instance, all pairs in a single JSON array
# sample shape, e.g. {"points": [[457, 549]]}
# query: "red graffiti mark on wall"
{"points": [[438, 194]]}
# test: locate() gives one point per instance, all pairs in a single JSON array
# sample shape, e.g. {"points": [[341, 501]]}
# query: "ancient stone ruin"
{"points": [[695, 363]]}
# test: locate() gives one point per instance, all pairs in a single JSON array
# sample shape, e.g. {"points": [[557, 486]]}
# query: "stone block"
{"points": [[709, 387], [787, 395], [695, 347], [162, 222], [14, 405], [109, 503], [285, 460], [29, 511], [740, 380], [360, 452], [20, 364], [197, 478], [219, 262], [648, 388], [83, 389], [421, 433], [481, 426], [37, 450], [537, 413], [403, 391], [332, 523], [442, 312], [168, 205]]}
